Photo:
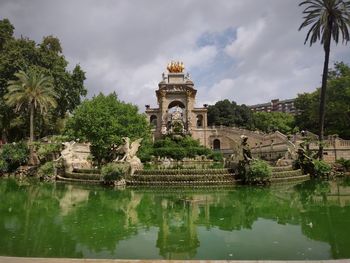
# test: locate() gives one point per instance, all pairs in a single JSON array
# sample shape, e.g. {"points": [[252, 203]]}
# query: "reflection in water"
{"points": [[306, 221]]}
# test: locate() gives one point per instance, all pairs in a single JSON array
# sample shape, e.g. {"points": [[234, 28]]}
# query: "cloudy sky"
{"points": [[249, 51]]}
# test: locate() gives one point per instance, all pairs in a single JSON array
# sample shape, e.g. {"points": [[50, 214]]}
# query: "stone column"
{"points": [[163, 112], [188, 111]]}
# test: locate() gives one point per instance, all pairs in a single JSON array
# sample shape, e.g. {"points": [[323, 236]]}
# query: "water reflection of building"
{"points": [[178, 238], [322, 211]]}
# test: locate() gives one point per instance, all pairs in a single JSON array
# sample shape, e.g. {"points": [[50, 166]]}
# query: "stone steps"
{"points": [[87, 171], [290, 179], [181, 177], [285, 174], [180, 183], [83, 176], [282, 168], [75, 180], [175, 172]]}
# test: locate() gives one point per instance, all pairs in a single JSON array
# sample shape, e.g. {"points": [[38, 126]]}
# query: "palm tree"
{"points": [[328, 19], [33, 90]]}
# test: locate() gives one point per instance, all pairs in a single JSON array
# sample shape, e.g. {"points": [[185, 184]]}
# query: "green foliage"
{"points": [[177, 127], [216, 156], [49, 149], [321, 168], [230, 114], [103, 121], [345, 163], [31, 89], [337, 117], [259, 171], [6, 31], [47, 170], [46, 57], [113, 171], [273, 121], [13, 155], [326, 19], [4, 166], [254, 172], [179, 148]]}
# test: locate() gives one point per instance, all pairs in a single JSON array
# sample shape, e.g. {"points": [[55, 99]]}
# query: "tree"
{"points": [[24, 54], [274, 121], [229, 113], [337, 116], [6, 31], [34, 90], [103, 121], [328, 19], [307, 105]]}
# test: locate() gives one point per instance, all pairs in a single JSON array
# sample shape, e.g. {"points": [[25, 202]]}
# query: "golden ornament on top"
{"points": [[175, 67]]}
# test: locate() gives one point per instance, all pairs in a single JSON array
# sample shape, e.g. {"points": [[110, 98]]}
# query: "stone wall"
{"points": [[334, 149]]}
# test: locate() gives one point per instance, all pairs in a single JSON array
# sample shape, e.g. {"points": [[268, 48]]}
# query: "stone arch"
{"points": [[175, 103], [153, 121], [216, 144], [199, 121]]}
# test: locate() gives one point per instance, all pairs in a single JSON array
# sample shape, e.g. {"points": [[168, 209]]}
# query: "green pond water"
{"points": [[310, 220]]}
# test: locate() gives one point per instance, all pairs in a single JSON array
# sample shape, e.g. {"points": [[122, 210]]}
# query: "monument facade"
{"points": [[177, 114]]}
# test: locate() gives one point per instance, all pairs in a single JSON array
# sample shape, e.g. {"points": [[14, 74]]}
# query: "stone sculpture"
{"points": [[130, 151], [75, 156], [289, 157], [247, 155]]}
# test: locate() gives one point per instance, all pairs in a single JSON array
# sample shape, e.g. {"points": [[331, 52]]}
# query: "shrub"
{"points": [[179, 148], [321, 168], [47, 151], [113, 171], [3, 166], [344, 163], [13, 155], [216, 156], [47, 170], [258, 171]]}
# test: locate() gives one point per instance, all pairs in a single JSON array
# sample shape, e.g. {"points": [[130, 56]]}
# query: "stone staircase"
{"points": [[286, 174], [182, 177], [82, 176]]}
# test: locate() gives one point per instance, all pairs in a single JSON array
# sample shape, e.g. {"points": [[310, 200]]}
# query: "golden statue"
{"points": [[175, 67]]}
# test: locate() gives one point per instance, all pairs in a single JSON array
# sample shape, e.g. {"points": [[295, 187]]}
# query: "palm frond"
{"points": [[328, 18], [31, 88]]}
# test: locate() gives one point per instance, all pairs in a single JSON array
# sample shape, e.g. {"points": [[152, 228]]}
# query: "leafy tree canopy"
{"points": [[274, 121], [103, 121], [337, 117], [46, 57], [229, 113]]}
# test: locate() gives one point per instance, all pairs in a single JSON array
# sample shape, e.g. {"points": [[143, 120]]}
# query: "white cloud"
{"points": [[247, 37], [124, 46]]}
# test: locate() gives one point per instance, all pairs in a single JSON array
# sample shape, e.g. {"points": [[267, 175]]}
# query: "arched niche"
{"points": [[199, 121], [216, 145], [176, 103], [153, 121]]}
